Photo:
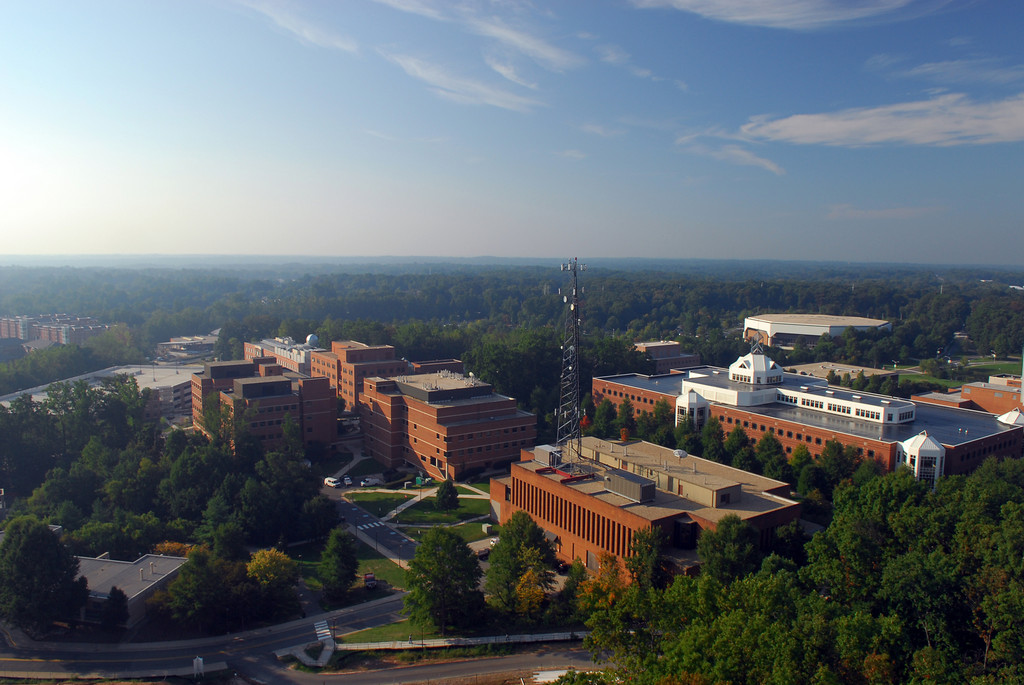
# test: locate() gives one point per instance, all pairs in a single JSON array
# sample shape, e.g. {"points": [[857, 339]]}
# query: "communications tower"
{"points": [[568, 419]]}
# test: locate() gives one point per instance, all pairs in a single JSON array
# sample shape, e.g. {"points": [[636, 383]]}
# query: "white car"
{"points": [[369, 480], [347, 480], [332, 482]]}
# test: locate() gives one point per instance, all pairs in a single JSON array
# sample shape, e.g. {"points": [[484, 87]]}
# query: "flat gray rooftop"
{"points": [[949, 425]]}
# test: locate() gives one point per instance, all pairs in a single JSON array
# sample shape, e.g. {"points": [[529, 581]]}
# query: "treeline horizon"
{"points": [[506, 322]]}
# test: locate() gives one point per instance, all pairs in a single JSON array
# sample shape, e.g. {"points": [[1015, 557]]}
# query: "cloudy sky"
{"points": [[843, 130]]}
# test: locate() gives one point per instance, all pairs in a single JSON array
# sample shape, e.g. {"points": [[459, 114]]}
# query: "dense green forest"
{"points": [[906, 585], [505, 321], [86, 460], [903, 585]]}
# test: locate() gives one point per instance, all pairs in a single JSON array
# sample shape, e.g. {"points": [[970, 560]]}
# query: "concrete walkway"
{"points": [[330, 646]]}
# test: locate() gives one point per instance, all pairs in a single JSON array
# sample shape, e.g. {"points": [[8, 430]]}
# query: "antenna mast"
{"points": [[568, 433]]}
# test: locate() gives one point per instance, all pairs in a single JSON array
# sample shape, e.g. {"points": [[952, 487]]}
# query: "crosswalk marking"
{"points": [[371, 525], [323, 632]]}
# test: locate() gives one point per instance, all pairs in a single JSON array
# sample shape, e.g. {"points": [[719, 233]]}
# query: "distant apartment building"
{"points": [[442, 423], [55, 328], [757, 395], [782, 330], [595, 505], [289, 354], [350, 362], [667, 355], [266, 396]]}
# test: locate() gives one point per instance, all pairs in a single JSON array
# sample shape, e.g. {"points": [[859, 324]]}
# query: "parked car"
{"points": [[369, 480], [483, 554], [332, 482], [347, 480], [562, 567], [369, 581]]}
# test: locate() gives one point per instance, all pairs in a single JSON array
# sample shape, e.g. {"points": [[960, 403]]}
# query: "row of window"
{"points": [[277, 408], [789, 434], [868, 414], [581, 521], [838, 408]]}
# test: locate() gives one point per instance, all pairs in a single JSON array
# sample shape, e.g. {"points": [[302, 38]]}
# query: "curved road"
{"points": [[254, 648]]}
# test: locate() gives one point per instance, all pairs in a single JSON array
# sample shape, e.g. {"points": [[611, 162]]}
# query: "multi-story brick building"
{"points": [[289, 354], [757, 395], [668, 355], [266, 396], [597, 504], [349, 362], [442, 423]]}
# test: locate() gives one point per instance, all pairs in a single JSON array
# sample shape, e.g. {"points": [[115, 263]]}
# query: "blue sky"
{"points": [[841, 130]]}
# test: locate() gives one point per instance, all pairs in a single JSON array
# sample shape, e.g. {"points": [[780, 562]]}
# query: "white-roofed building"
{"points": [[789, 329]]}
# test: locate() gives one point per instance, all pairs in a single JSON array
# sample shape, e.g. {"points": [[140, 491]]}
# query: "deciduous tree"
{"points": [[39, 580], [443, 577]]}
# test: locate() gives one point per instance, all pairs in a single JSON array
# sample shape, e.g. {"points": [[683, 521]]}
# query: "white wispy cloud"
{"points": [[950, 119], [978, 70], [378, 134], [460, 89], [420, 7], [572, 154], [302, 29], [599, 130], [882, 61], [534, 47], [799, 14], [509, 72], [612, 54], [744, 157], [849, 212]]}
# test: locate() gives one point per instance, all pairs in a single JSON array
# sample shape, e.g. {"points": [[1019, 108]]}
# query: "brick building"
{"points": [[349, 362], [260, 390], [999, 395], [442, 423], [289, 354], [667, 355], [596, 505], [755, 394]]}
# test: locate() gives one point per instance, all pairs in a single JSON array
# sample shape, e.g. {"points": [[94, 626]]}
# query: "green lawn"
{"points": [[390, 632], [330, 464], [484, 485], [384, 568], [470, 532], [997, 368], [424, 512], [366, 467], [308, 558], [378, 503], [944, 382]]}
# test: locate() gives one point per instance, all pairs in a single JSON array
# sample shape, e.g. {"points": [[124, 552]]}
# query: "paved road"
{"points": [[253, 648], [558, 657]]}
